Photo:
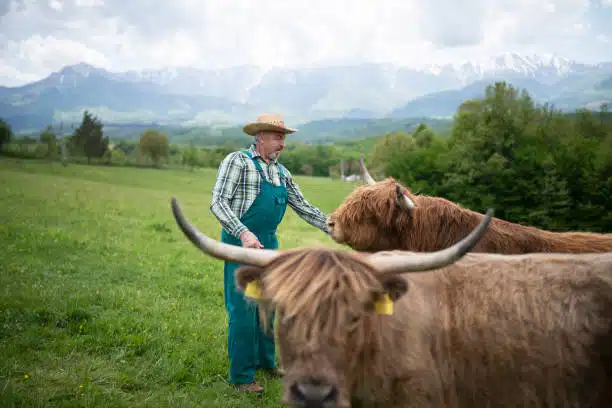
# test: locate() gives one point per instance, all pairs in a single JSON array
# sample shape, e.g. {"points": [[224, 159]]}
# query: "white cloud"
{"points": [[89, 3], [45, 35], [56, 5]]}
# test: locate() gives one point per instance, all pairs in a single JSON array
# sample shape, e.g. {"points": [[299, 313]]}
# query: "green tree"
{"points": [[6, 133], [423, 136], [118, 157], [533, 164], [501, 157], [88, 138], [190, 157], [390, 148], [584, 160], [154, 144], [422, 167]]}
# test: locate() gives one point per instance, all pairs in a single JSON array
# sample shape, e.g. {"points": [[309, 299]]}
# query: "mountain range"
{"points": [[226, 97]]}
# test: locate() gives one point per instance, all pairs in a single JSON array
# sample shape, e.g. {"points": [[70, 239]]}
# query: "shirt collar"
{"points": [[255, 153]]}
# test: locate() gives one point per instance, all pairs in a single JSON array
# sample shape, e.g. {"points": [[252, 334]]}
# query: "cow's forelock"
{"points": [[322, 286]]}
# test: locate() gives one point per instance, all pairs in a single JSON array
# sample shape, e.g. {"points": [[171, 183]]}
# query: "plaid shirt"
{"points": [[237, 187]]}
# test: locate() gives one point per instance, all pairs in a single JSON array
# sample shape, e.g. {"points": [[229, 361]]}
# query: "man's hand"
{"points": [[249, 240]]}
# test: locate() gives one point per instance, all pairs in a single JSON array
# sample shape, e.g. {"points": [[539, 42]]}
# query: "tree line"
{"points": [[88, 144], [533, 164]]}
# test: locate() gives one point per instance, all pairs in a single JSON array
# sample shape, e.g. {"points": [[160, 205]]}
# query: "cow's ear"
{"points": [[395, 286], [248, 280]]}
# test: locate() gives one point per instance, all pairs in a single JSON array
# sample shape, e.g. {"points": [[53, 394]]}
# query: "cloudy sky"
{"points": [[38, 37]]}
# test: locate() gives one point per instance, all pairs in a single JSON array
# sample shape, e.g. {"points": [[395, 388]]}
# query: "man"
{"points": [[249, 200]]}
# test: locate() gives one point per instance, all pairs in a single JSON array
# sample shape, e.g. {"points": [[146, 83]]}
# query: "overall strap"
{"points": [[257, 165], [280, 170]]}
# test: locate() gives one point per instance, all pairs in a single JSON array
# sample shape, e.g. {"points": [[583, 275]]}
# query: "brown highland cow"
{"points": [[387, 216], [457, 330]]}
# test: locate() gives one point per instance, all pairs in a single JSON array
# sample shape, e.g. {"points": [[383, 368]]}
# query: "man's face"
{"points": [[271, 144]]}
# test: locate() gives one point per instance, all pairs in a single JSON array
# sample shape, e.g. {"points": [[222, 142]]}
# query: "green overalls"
{"points": [[249, 348]]}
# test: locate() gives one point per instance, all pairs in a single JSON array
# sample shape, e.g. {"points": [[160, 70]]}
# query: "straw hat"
{"points": [[267, 122]]}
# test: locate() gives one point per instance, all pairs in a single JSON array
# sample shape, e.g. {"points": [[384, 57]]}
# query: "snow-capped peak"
{"points": [[81, 69], [509, 62]]}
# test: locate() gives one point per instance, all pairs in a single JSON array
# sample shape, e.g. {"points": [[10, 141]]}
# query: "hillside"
{"points": [[193, 97], [579, 91], [321, 131], [332, 131]]}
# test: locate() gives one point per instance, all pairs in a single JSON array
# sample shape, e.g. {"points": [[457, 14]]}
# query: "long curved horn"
{"points": [[220, 250], [403, 200], [364, 172], [395, 263]]}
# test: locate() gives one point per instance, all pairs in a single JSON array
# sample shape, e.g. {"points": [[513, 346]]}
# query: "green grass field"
{"points": [[104, 302]]}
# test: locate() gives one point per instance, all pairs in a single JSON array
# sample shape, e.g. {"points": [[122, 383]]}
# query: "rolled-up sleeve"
{"points": [[302, 207], [228, 179]]}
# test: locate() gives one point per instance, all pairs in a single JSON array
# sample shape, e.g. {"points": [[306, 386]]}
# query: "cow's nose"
{"points": [[314, 394]]}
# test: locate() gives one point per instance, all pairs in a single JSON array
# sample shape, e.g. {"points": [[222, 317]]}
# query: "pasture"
{"points": [[104, 302]]}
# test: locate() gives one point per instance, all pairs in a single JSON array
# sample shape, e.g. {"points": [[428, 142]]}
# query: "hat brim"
{"points": [[254, 128]]}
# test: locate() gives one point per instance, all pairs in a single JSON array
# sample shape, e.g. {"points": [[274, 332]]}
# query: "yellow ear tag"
{"points": [[253, 290], [384, 305]]}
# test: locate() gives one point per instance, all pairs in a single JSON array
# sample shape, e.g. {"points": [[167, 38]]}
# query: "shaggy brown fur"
{"points": [[369, 220], [489, 331]]}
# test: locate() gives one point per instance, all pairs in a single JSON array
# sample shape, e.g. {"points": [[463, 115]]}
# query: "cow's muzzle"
{"points": [[313, 393]]}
